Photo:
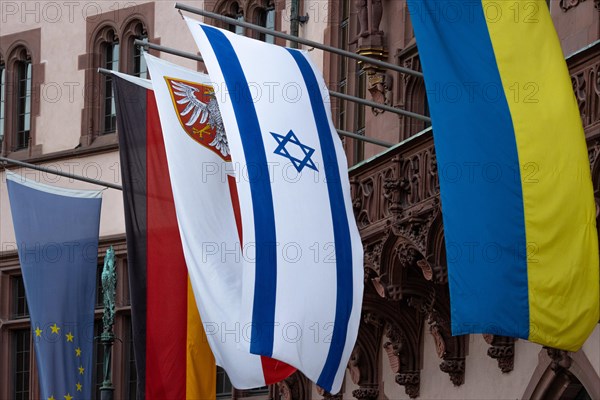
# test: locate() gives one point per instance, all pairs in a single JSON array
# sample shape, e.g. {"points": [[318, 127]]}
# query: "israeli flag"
{"points": [[303, 259]]}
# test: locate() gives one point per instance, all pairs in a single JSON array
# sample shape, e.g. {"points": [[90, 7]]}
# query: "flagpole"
{"points": [[297, 39], [4, 160], [333, 93]]}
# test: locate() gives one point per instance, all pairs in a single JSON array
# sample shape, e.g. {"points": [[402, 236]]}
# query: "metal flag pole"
{"points": [[339, 131], [317, 45], [339, 95], [4, 160]]}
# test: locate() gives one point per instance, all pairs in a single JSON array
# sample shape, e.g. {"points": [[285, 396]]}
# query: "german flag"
{"points": [[172, 355]]}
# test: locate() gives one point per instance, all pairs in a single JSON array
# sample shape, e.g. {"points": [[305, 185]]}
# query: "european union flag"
{"points": [[57, 236]]}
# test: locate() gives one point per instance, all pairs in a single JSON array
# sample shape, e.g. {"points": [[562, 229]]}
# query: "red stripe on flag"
{"points": [[235, 201], [166, 318], [273, 370]]}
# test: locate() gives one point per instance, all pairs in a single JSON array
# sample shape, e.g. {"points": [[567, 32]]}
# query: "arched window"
{"points": [[265, 17], [235, 11], [134, 62], [110, 61], [21, 99], [110, 45]]}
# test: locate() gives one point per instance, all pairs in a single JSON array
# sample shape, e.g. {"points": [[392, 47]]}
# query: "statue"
{"points": [[369, 17], [109, 284]]}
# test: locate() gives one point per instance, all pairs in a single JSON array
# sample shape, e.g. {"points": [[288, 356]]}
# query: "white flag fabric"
{"points": [[205, 195], [303, 281]]}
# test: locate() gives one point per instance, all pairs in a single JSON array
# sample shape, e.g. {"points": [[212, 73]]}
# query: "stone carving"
{"points": [[411, 382], [295, 387], [380, 86], [369, 17], [585, 79], [328, 396], [560, 359], [566, 5], [456, 369], [503, 350], [366, 393]]}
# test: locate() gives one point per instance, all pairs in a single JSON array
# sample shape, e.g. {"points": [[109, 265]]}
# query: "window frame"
{"points": [[15, 48]]}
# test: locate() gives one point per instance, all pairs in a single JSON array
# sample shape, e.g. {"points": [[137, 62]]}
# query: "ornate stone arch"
{"points": [[436, 269], [561, 375]]}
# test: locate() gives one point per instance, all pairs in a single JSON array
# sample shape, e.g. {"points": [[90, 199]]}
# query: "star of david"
{"points": [[292, 139]]}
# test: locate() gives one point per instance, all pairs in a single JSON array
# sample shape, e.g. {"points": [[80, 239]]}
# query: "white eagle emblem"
{"points": [[202, 112]]}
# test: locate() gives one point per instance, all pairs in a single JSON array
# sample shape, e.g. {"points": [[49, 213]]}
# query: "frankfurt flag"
{"points": [[206, 202]]}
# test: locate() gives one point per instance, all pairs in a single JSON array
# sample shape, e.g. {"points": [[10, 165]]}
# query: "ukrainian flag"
{"points": [[516, 191]]}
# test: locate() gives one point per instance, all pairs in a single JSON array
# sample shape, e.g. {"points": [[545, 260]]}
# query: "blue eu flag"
{"points": [[57, 237]]}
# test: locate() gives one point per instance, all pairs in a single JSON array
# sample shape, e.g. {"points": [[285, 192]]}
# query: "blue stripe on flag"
{"points": [[263, 312], [483, 215], [341, 230]]}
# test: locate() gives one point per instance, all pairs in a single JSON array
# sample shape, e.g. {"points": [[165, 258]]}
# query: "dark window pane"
{"points": [[20, 350], [111, 62], [20, 309], [2, 99], [139, 62], [23, 106], [359, 145], [224, 387]]}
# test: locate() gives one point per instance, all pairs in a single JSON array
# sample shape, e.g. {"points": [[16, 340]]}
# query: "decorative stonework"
{"points": [[456, 370], [295, 387], [411, 382], [503, 350], [566, 5], [560, 359], [585, 78], [328, 396], [366, 393]]}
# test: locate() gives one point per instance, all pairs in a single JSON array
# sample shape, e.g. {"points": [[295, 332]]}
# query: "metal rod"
{"points": [[380, 106], [60, 173], [306, 42], [364, 138], [105, 71], [169, 50], [365, 102]]}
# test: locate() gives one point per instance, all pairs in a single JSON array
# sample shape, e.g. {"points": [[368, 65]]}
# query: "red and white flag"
{"points": [[206, 203]]}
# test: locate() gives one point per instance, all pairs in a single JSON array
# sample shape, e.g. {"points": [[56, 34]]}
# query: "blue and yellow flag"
{"points": [[516, 190], [57, 237]]}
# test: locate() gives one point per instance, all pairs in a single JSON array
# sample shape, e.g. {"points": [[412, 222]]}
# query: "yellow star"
{"points": [[38, 333], [51, 398], [78, 386], [69, 337], [81, 369], [55, 328], [78, 352], [68, 397]]}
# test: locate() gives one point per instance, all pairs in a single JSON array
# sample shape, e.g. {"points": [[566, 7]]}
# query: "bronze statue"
{"points": [[109, 284]]}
